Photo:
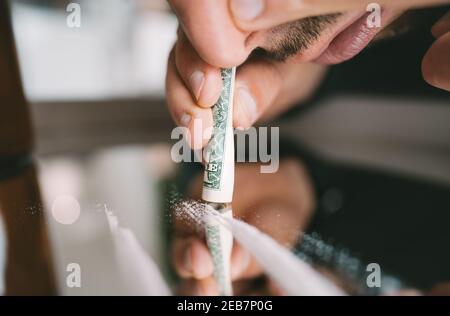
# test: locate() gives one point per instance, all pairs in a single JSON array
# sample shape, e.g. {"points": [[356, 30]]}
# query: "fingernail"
{"points": [[197, 80], [247, 10], [185, 120], [248, 104]]}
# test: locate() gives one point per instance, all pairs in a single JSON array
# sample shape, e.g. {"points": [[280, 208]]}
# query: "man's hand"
{"points": [[436, 64], [279, 204], [263, 89], [214, 35]]}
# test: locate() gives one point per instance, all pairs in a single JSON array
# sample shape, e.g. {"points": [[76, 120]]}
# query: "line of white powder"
{"points": [[291, 274]]}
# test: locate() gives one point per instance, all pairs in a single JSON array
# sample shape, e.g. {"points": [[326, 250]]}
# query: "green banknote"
{"points": [[213, 239], [215, 151]]}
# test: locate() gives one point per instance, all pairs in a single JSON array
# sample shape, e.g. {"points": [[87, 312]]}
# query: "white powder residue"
{"points": [[139, 272], [290, 273]]}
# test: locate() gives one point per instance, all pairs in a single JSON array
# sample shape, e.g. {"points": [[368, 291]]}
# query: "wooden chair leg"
{"points": [[28, 264]]}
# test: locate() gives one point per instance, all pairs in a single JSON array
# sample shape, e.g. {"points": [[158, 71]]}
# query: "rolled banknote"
{"points": [[218, 182], [220, 244]]}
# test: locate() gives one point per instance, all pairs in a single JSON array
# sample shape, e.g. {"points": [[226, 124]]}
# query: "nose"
{"points": [[215, 36], [223, 50]]}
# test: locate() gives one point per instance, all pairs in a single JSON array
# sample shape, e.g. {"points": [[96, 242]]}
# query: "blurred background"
{"points": [[103, 132], [102, 129]]}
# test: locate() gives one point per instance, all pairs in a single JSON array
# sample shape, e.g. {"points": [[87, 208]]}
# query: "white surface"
{"points": [[125, 181], [117, 52], [139, 272]]}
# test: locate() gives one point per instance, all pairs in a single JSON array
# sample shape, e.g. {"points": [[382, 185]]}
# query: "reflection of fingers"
{"points": [[274, 289], [243, 266], [191, 258], [184, 110], [205, 287], [436, 65], [251, 287]]}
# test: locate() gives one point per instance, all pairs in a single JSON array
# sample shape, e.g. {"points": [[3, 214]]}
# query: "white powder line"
{"points": [[139, 272], [290, 273]]}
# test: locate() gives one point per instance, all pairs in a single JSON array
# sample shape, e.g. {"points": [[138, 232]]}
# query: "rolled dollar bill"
{"points": [[218, 182], [220, 243]]}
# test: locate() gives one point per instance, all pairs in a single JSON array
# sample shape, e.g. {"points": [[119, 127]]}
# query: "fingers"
{"points": [[264, 89], [281, 206], [257, 85], [184, 110], [442, 26], [436, 64], [212, 32], [203, 81], [191, 258], [205, 287], [193, 263], [243, 265], [193, 86], [252, 15], [208, 287]]}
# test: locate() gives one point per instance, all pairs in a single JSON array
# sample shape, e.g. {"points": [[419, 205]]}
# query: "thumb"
{"points": [[436, 64]]}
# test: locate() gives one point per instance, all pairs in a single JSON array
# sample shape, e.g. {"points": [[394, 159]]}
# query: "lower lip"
{"points": [[348, 43]]}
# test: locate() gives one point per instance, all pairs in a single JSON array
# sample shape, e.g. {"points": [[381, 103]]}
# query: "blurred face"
{"points": [[327, 39]]}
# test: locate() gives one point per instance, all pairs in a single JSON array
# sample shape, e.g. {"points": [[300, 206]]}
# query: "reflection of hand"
{"points": [[279, 204], [436, 64]]}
